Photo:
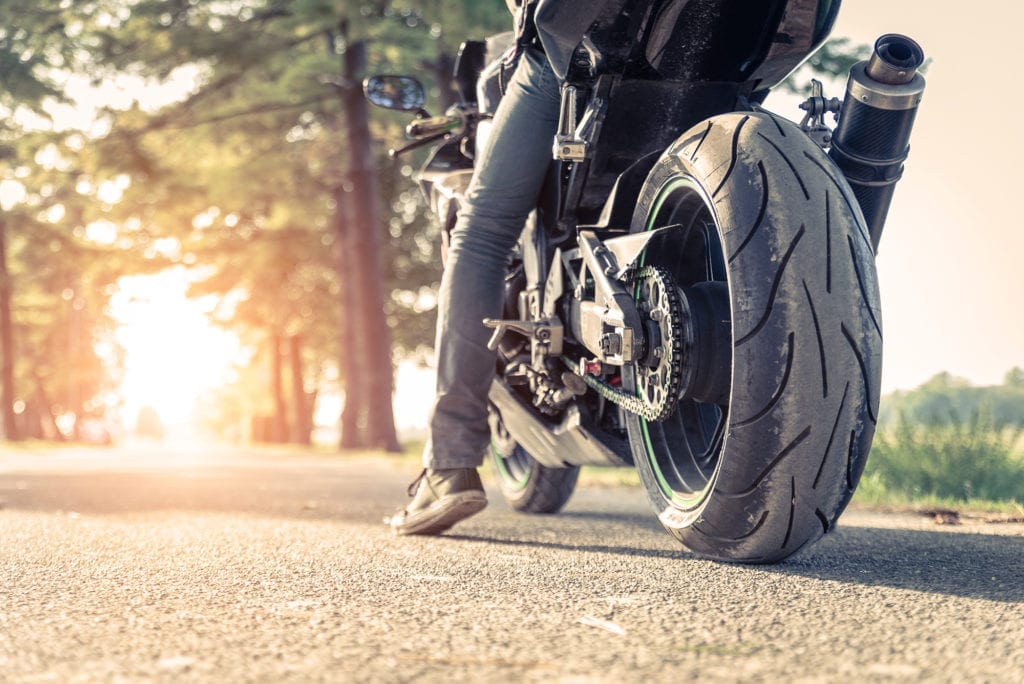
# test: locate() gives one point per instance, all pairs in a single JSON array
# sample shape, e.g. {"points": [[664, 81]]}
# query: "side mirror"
{"points": [[403, 93]]}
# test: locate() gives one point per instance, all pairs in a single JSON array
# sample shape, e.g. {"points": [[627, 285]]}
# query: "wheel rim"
{"points": [[684, 450], [513, 464]]}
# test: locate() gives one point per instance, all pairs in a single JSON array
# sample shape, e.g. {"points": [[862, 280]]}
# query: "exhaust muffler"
{"points": [[872, 139]]}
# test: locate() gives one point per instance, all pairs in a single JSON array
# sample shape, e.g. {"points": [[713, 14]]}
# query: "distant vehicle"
{"points": [[94, 431], [149, 424]]}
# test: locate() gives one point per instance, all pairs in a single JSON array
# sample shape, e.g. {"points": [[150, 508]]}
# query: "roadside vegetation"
{"points": [[948, 444], [969, 461]]}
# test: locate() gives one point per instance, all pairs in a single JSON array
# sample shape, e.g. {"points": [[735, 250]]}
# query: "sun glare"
{"points": [[172, 353]]}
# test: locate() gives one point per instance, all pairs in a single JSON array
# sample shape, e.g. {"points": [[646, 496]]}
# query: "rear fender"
{"points": [[628, 249]]}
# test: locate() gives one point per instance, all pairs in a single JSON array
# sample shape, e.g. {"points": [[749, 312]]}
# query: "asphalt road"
{"points": [[165, 565]]}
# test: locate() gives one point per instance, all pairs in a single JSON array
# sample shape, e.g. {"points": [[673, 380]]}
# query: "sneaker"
{"points": [[441, 498]]}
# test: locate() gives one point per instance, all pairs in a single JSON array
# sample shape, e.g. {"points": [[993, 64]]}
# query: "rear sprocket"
{"points": [[659, 374]]}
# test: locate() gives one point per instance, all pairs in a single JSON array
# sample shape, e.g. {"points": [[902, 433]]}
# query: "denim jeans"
{"points": [[504, 189]]}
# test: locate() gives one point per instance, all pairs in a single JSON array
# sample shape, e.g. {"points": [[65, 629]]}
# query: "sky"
{"points": [[950, 261]]}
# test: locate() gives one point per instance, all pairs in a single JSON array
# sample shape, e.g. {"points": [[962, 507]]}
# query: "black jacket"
{"points": [[561, 25]]}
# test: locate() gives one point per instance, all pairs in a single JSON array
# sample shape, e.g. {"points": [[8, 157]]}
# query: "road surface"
{"points": [[158, 564]]}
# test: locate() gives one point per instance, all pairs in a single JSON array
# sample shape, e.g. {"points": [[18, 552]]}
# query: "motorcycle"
{"points": [[695, 295]]}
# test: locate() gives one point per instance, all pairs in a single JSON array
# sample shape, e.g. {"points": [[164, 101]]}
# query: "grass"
{"points": [[972, 462], [590, 476], [608, 476], [409, 459], [873, 493]]}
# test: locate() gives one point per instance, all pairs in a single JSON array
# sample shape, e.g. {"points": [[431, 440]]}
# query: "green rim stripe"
{"points": [[666, 489], [503, 471]]}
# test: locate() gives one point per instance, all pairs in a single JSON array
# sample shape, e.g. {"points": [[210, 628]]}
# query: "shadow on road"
{"points": [[646, 521], [681, 554], [981, 566]]}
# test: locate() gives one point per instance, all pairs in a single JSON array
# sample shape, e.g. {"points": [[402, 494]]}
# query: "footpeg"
{"points": [[527, 328], [574, 383], [545, 334]]}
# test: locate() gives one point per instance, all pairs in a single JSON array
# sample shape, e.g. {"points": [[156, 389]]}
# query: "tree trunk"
{"points": [[363, 254], [46, 408], [280, 418], [6, 343], [302, 425], [351, 368]]}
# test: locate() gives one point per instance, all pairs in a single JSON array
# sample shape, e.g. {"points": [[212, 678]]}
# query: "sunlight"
{"points": [[412, 403], [172, 353]]}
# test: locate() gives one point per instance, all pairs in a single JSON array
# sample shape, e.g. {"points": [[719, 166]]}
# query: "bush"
{"points": [[961, 460]]}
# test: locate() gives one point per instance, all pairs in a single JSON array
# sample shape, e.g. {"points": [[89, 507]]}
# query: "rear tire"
{"points": [[763, 473]]}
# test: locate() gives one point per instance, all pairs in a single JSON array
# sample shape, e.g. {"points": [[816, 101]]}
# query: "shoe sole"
{"points": [[442, 514]]}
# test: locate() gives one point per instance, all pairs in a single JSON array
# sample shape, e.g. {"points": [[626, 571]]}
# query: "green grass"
{"points": [[960, 463], [608, 476], [873, 493], [590, 476]]}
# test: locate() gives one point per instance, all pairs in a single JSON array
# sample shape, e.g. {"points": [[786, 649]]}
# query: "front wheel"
{"points": [[781, 344], [528, 486]]}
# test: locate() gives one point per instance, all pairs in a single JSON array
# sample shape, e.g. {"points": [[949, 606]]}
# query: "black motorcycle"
{"points": [[695, 294]]}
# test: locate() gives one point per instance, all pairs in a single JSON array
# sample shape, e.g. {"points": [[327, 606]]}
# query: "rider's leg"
{"points": [[504, 190]]}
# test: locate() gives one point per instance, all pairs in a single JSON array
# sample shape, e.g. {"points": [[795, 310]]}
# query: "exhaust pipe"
{"points": [[872, 139], [567, 443]]}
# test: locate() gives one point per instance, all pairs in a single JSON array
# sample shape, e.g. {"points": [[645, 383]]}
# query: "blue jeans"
{"points": [[504, 189]]}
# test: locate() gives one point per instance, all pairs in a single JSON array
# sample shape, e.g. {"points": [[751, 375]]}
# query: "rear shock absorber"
{"points": [[872, 139]]}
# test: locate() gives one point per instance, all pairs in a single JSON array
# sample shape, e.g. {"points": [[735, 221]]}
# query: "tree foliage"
{"points": [[54, 281], [831, 62], [254, 179], [947, 400]]}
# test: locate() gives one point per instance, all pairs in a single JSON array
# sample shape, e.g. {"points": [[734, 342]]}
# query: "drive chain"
{"points": [[637, 404]]}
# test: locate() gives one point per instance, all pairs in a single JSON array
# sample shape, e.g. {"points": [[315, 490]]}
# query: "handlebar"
{"points": [[424, 131], [433, 125], [392, 153]]}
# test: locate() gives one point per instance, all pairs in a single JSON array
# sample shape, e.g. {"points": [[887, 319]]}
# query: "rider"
{"points": [[504, 189]]}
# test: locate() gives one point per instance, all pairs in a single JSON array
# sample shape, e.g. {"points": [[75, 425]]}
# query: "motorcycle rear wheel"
{"points": [[767, 466]]}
